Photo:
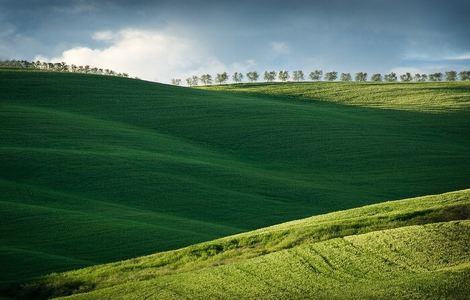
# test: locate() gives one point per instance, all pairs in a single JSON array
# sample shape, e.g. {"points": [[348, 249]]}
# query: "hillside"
{"points": [[414, 248], [97, 169], [416, 96]]}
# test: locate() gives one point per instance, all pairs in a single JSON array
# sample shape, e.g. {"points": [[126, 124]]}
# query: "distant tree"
{"points": [[376, 77], [237, 77], [206, 79], [283, 75], [435, 77], [345, 77], [195, 80], [189, 81], [221, 78], [360, 76], [391, 77], [252, 76], [331, 76], [451, 76], [176, 81], [298, 75], [269, 76], [420, 77], [464, 75], [406, 77], [315, 75]]}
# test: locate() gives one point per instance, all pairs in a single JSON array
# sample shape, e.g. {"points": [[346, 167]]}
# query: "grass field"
{"points": [[430, 96], [96, 169], [414, 248]]}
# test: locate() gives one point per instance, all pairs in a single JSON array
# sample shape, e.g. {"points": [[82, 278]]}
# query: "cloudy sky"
{"points": [[161, 39]]}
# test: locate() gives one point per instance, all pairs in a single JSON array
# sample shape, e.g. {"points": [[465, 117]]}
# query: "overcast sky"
{"points": [[159, 40]]}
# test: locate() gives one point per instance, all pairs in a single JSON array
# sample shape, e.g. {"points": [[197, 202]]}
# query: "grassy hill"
{"points": [[97, 169], [414, 248], [429, 96]]}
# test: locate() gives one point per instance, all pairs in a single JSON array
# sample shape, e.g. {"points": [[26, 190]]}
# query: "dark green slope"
{"points": [[96, 169]]}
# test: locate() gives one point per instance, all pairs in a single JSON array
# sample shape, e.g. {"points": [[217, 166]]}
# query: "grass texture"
{"points": [[414, 248], [96, 169]]}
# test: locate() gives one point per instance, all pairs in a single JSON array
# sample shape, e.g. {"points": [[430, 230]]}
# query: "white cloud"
{"points": [[150, 55], [103, 36], [460, 57], [280, 48]]}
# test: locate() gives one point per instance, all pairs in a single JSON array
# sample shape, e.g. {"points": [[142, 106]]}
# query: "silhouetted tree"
{"points": [[464, 75], [269, 76], [206, 79], [360, 76], [237, 77], [221, 78], [176, 81], [451, 75], [283, 75], [315, 75], [252, 76], [406, 77], [298, 75], [376, 77], [345, 77], [331, 76], [435, 77], [391, 77], [420, 77]]}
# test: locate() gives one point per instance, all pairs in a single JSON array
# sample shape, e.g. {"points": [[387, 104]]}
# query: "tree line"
{"points": [[317, 75], [58, 67]]}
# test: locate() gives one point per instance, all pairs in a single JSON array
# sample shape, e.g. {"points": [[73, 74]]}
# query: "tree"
{"points": [[298, 75], [206, 79], [283, 75], [176, 81], [390, 77], [420, 77], [189, 81], [237, 77], [376, 77], [269, 76], [345, 77], [451, 76], [315, 75], [331, 76], [252, 76], [464, 75], [221, 77], [195, 80], [361, 76], [435, 77], [406, 77]]}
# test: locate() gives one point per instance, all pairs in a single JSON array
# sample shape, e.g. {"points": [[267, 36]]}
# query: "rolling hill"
{"points": [[97, 169], [414, 248]]}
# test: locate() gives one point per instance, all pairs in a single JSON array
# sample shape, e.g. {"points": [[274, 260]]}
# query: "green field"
{"points": [[97, 169], [411, 249]]}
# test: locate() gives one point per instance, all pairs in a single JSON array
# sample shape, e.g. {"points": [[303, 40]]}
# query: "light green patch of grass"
{"points": [[339, 247], [422, 96]]}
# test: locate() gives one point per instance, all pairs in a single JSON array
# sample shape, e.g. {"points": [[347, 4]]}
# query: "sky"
{"points": [[163, 39]]}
